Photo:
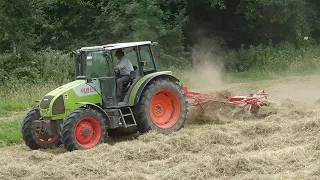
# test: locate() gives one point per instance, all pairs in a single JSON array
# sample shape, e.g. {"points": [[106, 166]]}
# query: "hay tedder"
{"points": [[252, 103], [83, 113]]}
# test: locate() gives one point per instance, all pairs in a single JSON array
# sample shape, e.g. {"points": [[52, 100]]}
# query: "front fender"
{"points": [[58, 103], [95, 106], [138, 88]]}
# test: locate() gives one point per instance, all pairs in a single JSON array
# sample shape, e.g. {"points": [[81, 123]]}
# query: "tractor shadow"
{"points": [[114, 140], [109, 140]]}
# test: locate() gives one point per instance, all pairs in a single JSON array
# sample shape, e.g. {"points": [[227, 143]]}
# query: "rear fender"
{"points": [[139, 87]]}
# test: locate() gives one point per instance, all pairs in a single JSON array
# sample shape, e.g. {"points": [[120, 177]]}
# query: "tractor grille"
{"points": [[58, 106], [45, 102]]}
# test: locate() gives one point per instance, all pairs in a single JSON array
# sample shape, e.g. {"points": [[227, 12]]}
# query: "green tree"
{"points": [[69, 23], [276, 21], [129, 20], [219, 3], [18, 20], [315, 20]]}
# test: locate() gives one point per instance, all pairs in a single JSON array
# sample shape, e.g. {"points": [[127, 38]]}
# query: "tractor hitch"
{"points": [[253, 102]]}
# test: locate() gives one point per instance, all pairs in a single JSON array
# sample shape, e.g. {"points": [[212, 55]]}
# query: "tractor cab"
{"points": [[96, 65]]}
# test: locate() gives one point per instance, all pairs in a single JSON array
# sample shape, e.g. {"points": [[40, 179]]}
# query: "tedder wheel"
{"points": [[33, 139], [254, 109], [83, 128], [162, 108]]}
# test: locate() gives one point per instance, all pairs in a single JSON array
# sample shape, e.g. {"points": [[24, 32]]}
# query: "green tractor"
{"points": [[84, 112]]}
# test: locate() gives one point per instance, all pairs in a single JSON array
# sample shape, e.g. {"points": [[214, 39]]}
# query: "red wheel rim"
{"points": [[87, 132], [164, 109]]}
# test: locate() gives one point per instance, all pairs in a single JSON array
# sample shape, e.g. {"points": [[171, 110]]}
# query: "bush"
{"points": [[55, 66], [279, 58], [48, 65]]}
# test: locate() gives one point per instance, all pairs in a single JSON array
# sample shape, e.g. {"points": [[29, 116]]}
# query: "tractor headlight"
{"points": [[45, 102], [58, 106]]}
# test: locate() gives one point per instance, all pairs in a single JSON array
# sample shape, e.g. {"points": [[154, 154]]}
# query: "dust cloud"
{"points": [[207, 62], [301, 89]]}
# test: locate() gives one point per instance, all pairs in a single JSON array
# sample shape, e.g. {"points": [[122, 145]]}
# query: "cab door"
{"points": [[100, 70]]}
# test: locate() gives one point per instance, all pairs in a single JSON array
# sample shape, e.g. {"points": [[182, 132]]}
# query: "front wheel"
{"points": [[84, 128], [37, 138], [162, 108]]}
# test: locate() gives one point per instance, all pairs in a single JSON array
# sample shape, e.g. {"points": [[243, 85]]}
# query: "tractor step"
{"points": [[120, 105], [124, 116], [130, 125]]}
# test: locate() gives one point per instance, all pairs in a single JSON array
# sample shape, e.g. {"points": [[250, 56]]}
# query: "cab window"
{"points": [[146, 59], [96, 65]]}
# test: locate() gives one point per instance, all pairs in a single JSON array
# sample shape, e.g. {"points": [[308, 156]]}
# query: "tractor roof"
{"points": [[115, 46]]}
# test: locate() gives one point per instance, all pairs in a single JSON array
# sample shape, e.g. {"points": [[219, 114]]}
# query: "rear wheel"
{"points": [[36, 139], [162, 108], [84, 128]]}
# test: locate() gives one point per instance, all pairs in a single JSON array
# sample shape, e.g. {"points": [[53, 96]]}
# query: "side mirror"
{"points": [[89, 80]]}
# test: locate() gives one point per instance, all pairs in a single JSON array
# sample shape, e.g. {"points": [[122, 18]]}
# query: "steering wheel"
{"points": [[117, 72]]}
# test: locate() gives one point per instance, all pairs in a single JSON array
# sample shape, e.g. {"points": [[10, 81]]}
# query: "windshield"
{"points": [[95, 64]]}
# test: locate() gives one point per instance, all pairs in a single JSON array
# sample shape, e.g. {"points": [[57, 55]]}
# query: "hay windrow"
{"points": [[258, 129]]}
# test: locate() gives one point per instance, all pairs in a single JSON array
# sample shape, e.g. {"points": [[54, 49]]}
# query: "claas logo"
{"points": [[87, 90]]}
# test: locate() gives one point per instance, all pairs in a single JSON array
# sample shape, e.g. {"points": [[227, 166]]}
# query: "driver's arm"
{"points": [[119, 66]]}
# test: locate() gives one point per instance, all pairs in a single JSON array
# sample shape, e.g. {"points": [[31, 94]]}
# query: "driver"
{"points": [[124, 67]]}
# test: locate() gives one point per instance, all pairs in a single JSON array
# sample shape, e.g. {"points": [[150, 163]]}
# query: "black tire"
{"points": [[29, 134], [70, 123], [254, 110], [142, 110]]}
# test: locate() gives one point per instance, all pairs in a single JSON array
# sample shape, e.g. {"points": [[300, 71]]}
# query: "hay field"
{"points": [[223, 143]]}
